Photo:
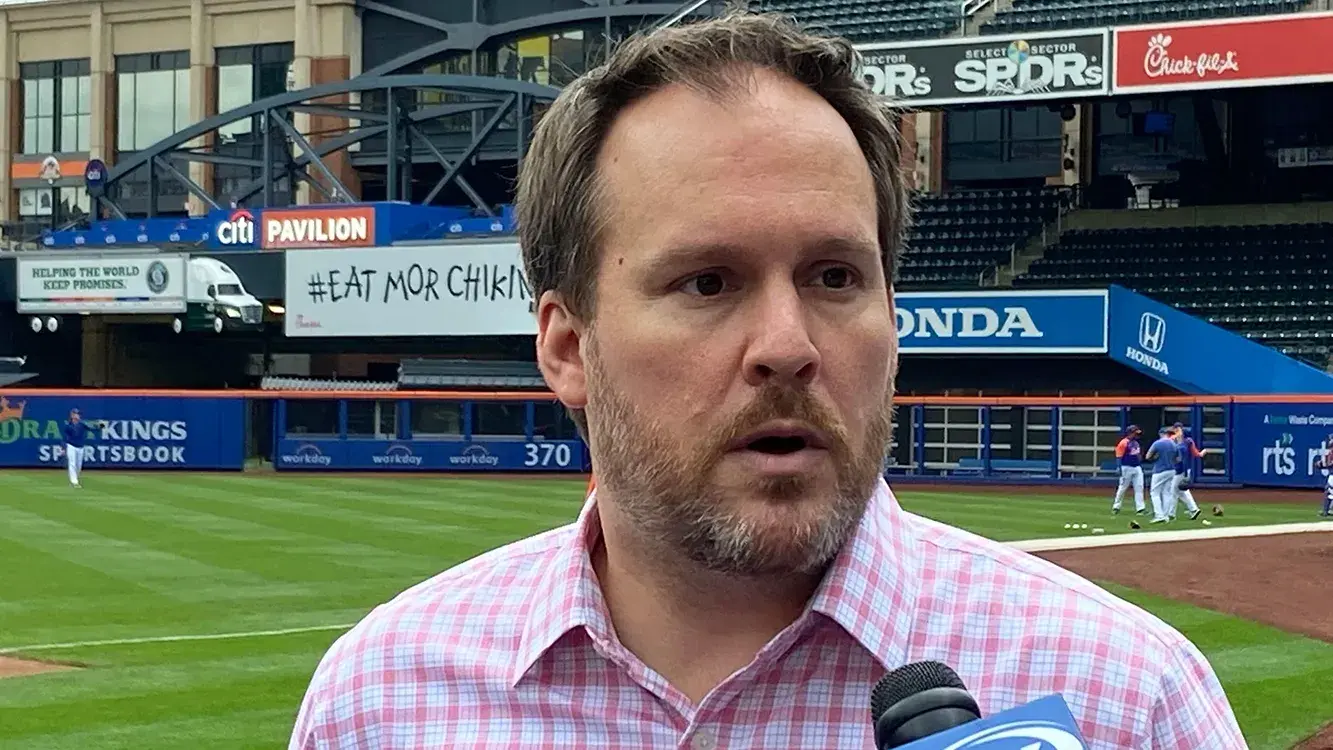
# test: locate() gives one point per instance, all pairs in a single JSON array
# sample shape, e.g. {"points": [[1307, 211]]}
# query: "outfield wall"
{"points": [[1273, 441]]}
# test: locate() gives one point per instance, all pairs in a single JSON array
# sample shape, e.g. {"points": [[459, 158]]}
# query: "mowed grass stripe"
{"points": [[1278, 682]]}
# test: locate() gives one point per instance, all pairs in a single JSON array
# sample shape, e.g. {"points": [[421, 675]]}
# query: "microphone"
{"points": [[925, 706]]}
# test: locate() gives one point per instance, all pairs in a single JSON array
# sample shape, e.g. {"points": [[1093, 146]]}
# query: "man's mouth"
{"points": [[781, 440]]}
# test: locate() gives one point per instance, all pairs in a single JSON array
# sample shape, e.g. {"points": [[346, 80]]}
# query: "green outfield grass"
{"points": [[136, 556]]}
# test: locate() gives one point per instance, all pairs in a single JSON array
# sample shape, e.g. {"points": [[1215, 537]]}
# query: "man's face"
{"points": [[74, 417], [741, 295]]}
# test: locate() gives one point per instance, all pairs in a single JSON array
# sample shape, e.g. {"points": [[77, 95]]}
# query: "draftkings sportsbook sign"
{"points": [[989, 68]]}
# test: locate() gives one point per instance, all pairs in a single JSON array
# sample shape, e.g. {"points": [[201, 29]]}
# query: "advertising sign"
{"points": [[431, 455], [1048, 65], [1281, 444], [106, 284], [1269, 51], [134, 432], [465, 289], [1187, 353], [296, 228], [1008, 322]]}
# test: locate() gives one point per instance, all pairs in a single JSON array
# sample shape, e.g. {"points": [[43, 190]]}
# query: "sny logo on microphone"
{"points": [[1021, 735]]}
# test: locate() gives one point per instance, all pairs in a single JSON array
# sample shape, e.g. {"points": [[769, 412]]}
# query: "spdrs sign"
{"points": [[989, 69], [467, 289], [132, 432], [110, 284]]}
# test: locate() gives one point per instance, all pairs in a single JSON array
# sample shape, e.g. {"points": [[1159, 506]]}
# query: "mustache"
{"points": [[775, 402]]}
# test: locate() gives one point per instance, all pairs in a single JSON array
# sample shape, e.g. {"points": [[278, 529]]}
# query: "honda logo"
{"points": [[1152, 333]]}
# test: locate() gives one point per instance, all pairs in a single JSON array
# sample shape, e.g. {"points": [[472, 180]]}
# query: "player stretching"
{"points": [[1327, 463], [1130, 454], [76, 433], [1163, 455], [1189, 450]]}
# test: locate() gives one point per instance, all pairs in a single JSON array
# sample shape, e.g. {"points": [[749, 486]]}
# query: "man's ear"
{"points": [[559, 351]]}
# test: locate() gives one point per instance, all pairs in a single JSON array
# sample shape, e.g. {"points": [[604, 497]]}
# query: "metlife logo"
{"points": [[989, 69]]}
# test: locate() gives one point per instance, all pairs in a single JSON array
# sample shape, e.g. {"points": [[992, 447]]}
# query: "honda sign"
{"points": [[989, 69]]}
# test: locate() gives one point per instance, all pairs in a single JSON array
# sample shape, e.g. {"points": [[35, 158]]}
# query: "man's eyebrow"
{"points": [[719, 253]]}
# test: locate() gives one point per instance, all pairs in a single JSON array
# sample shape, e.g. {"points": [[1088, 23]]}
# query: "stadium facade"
{"points": [[1174, 158]]}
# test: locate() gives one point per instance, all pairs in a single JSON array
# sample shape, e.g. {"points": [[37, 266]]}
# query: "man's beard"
{"points": [[669, 494]]}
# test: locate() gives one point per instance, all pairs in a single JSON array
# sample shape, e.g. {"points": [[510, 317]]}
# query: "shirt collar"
{"points": [[870, 590]]}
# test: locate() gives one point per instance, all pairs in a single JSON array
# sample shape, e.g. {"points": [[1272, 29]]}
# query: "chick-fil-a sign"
{"points": [[1265, 51]]}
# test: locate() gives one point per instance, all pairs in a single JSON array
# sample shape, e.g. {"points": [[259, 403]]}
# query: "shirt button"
{"points": [[703, 740]]}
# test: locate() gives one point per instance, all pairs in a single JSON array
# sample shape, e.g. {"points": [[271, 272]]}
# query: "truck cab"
{"points": [[217, 301]]}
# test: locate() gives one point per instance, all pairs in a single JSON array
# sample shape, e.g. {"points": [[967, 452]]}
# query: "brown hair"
{"points": [[559, 207]]}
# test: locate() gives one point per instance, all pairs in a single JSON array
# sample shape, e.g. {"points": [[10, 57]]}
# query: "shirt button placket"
{"points": [[704, 739]]}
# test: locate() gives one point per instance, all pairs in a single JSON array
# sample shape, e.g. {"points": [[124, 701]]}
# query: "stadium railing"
{"points": [[1272, 440]]}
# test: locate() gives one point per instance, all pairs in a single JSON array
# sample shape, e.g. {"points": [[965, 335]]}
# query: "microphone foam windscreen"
{"points": [[909, 680]]}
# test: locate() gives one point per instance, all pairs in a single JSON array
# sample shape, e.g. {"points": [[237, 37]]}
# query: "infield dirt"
{"points": [[14, 667]]}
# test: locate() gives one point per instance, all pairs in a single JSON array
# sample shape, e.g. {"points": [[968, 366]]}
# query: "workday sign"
{"points": [[1007, 322]]}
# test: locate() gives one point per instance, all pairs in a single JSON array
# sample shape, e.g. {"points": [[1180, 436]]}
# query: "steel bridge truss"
{"points": [[290, 155]]}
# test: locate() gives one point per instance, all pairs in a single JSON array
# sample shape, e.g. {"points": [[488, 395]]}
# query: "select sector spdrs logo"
{"points": [[474, 455], [397, 455], [306, 455]]}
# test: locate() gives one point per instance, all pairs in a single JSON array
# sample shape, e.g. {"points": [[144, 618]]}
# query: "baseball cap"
{"points": [[1130, 430]]}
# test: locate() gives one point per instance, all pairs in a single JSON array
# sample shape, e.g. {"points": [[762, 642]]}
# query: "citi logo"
{"points": [[1152, 333], [238, 229]]}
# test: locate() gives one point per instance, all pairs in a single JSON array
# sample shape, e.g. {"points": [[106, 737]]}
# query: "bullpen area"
{"points": [[155, 610]]}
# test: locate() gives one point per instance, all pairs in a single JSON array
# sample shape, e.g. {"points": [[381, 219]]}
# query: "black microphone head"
{"points": [[910, 679], [918, 700]]}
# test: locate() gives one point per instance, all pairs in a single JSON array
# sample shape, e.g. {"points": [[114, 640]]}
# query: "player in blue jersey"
{"points": [[1129, 454], [76, 432], [1162, 454], [1327, 463], [1189, 450]]}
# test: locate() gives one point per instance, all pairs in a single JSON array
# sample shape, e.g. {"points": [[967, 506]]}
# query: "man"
{"points": [[1189, 450], [1326, 462], [1129, 453], [1163, 453], [76, 433], [709, 222]]}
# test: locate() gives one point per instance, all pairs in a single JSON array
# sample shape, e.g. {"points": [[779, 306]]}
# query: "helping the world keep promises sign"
{"points": [[473, 289], [106, 284]]}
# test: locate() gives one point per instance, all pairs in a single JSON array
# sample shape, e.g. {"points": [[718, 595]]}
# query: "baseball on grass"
{"points": [[1099, 530], [1206, 522], [1083, 526], [1069, 526]]}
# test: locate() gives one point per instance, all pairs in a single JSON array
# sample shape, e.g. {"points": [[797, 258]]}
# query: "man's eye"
{"points": [[706, 284], [837, 277]]}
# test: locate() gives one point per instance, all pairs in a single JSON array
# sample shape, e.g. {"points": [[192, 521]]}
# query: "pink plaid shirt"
{"points": [[515, 649]]}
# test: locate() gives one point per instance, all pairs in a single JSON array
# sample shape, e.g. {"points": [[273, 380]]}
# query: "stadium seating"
{"points": [[456, 374], [282, 383], [960, 236], [1036, 15], [1270, 283], [875, 20]]}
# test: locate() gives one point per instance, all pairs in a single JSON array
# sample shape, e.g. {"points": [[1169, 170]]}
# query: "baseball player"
{"points": [[1129, 452], [76, 432], [1327, 463], [1163, 455], [1188, 451]]}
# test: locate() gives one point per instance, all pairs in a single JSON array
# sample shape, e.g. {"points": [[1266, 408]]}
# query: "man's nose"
{"points": [[781, 348]]}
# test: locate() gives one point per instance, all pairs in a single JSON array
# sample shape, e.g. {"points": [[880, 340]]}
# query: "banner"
{"points": [[431, 455], [1232, 53], [1199, 358], [465, 289], [989, 69], [134, 432], [295, 228], [1008, 322], [106, 284], [1281, 444]]}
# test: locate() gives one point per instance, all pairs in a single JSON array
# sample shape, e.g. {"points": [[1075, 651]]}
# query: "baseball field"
{"points": [[152, 611]]}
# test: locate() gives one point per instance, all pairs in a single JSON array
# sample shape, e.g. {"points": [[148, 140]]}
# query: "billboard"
{"points": [[296, 228], [1280, 444], [139, 432], [1185, 352], [989, 69], [1002, 322], [464, 289], [1231, 53], [430, 455], [101, 284]]}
